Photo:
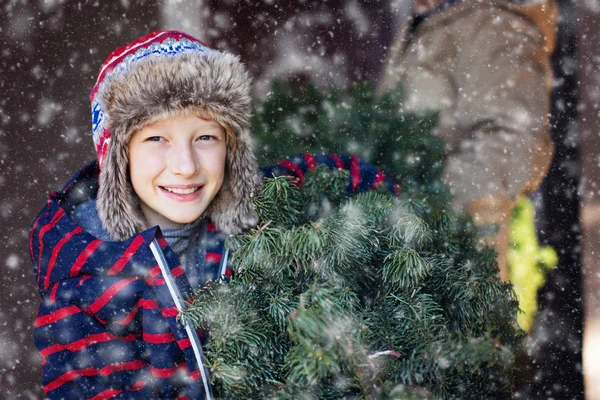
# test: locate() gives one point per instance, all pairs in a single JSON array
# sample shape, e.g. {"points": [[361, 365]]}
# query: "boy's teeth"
{"points": [[181, 191]]}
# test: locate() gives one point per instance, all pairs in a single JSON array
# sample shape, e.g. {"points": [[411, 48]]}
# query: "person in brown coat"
{"points": [[485, 65]]}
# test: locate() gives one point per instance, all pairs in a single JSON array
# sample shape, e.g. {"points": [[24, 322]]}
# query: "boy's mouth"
{"points": [[185, 193], [182, 191]]}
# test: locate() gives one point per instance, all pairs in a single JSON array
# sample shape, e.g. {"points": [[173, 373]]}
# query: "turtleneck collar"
{"points": [[184, 232]]}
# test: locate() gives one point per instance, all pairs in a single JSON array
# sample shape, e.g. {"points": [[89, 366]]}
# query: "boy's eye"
{"points": [[205, 137], [154, 139]]}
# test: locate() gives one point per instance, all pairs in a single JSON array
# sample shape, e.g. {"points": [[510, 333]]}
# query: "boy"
{"points": [[171, 122]]}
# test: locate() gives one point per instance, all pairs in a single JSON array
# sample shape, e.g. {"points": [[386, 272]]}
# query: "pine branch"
{"points": [[363, 297], [405, 268]]}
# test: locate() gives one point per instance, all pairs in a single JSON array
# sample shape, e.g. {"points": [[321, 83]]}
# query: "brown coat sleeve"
{"points": [[486, 66]]}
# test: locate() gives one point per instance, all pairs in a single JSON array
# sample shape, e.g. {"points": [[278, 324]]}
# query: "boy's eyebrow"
{"points": [[213, 128], [151, 127]]}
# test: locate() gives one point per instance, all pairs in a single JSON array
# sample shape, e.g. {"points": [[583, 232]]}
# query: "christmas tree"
{"points": [[364, 297], [300, 118]]}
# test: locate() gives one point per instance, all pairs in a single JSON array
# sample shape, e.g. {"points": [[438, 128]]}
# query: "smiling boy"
{"points": [[177, 167], [171, 129], [170, 123]]}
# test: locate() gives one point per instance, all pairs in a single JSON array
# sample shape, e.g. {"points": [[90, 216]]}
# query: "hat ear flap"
{"points": [[117, 204], [232, 209]]}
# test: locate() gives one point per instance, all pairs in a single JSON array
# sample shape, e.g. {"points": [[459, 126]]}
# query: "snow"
{"points": [[358, 17], [592, 5], [13, 261], [20, 25], [48, 60], [47, 110], [183, 15], [48, 6]]}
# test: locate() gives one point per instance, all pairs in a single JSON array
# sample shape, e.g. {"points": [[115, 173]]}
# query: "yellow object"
{"points": [[528, 263]]}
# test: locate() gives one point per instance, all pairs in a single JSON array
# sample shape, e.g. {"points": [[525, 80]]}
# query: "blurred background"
{"points": [[50, 52]]}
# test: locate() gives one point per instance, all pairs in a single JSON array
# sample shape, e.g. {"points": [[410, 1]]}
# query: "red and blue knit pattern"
{"points": [[155, 44], [106, 326], [364, 176]]}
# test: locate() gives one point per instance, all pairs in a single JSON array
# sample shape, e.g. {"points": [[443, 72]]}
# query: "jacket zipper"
{"points": [[178, 300], [224, 261]]}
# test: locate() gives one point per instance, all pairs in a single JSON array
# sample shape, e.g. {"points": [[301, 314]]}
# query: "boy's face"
{"points": [[176, 167]]}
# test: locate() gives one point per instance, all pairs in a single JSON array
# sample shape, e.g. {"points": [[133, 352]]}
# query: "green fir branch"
{"points": [[405, 268], [365, 297]]}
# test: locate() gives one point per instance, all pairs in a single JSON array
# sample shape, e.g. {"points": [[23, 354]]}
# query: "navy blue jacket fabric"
{"points": [[106, 326]]}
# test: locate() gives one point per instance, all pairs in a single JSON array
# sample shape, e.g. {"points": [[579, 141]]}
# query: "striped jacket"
{"points": [[106, 326]]}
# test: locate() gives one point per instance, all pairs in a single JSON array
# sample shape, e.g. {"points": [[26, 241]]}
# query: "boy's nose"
{"points": [[183, 161]]}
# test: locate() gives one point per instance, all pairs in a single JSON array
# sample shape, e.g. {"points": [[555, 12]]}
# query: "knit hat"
{"points": [[164, 74]]}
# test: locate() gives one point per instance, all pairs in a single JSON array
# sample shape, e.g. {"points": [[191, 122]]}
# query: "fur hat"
{"points": [[163, 74]]}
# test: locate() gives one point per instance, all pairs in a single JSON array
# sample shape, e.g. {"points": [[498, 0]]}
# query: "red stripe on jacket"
{"points": [[56, 315], [398, 190], [184, 343], [83, 278], [296, 169], [53, 292], [109, 294], [175, 272], [110, 393], [83, 257], [165, 373], [169, 312], [86, 342], [379, 178], [91, 371], [143, 303], [55, 251], [43, 231], [158, 338], [212, 257], [37, 221], [310, 161], [338, 161], [154, 271], [354, 172], [196, 374], [124, 259]]}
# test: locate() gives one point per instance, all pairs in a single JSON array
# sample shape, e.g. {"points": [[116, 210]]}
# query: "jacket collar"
{"points": [[61, 248]]}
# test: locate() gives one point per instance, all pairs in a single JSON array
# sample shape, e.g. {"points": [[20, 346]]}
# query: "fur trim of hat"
{"points": [[163, 74]]}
